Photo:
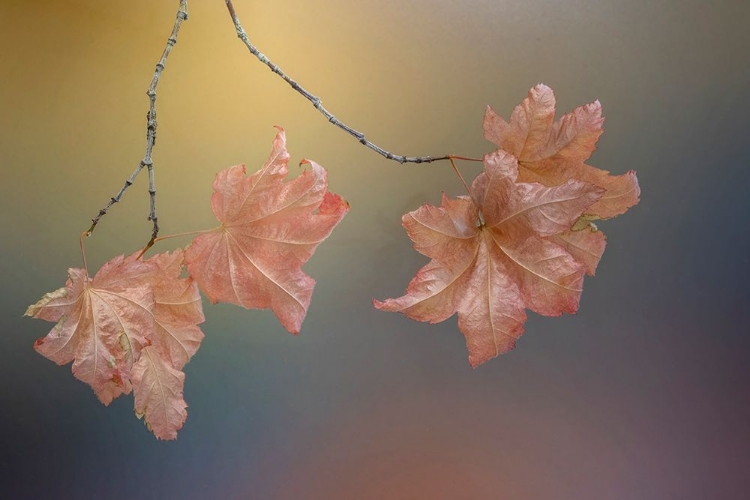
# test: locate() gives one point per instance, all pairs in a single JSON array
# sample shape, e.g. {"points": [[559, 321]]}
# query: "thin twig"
{"points": [[316, 100], [147, 161]]}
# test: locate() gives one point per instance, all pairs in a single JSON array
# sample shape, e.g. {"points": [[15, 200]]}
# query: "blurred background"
{"points": [[644, 394]]}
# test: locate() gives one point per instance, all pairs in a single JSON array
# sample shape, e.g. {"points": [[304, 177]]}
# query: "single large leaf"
{"points": [[102, 324], [269, 228], [551, 152]]}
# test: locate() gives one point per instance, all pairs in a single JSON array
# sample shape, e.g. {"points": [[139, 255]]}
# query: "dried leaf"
{"points": [[102, 324], [158, 394], [269, 228], [492, 257], [177, 310], [586, 246], [133, 326], [551, 152]]}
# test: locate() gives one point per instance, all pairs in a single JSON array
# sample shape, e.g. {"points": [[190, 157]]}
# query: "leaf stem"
{"points": [[178, 235], [458, 173], [465, 158], [83, 236], [152, 241], [468, 190]]}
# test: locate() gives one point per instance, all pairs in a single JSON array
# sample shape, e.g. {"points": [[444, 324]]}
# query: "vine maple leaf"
{"points": [[157, 377], [492, 256], [118, 328], [551, 152], [177, 310], [102, 324], [269, 228], [158, 394], [585, 245]]}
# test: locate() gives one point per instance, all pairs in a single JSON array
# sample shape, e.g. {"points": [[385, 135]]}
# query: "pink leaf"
{"points": [[132, 327], [158, 394], [586, 246], [102, 324], [177, 310], [552, 152], [491, 258], [269, 228]]}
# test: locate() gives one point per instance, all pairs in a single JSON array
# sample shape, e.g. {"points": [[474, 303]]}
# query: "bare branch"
{"points": [[147, 161], [316, 100]]}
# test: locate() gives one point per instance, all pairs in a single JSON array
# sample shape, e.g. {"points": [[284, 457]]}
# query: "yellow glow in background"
{"points": [[642, 394]]}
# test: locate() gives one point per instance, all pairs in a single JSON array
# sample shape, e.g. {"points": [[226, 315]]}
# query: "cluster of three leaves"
{"points": [[522, 239]]}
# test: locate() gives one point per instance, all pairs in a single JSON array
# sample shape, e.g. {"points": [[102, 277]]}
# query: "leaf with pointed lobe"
{"points": [[492, 259], [177, 310], [157, 378], [551, 152], [269, 228], [586, 246], [158, 394], [102, 324], [105, 325]]}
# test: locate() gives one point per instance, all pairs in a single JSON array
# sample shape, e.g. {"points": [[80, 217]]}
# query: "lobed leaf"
{"points": [[106, 325], [269, 228], [492, 259], [524, 238], [552, 152]]}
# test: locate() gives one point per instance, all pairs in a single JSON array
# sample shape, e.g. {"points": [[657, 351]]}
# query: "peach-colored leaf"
{"points": [[177, 310], [586, 246], [131, 310], [157, 377], [158, 394], [492, 257], [551, 152], [102, 324], [269, 228]]}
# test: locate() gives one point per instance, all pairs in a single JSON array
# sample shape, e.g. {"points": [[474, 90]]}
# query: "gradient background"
{"points": [[641, 395]]}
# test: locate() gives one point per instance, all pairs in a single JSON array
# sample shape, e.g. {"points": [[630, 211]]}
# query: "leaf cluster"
{"points": [[522, 238]]}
